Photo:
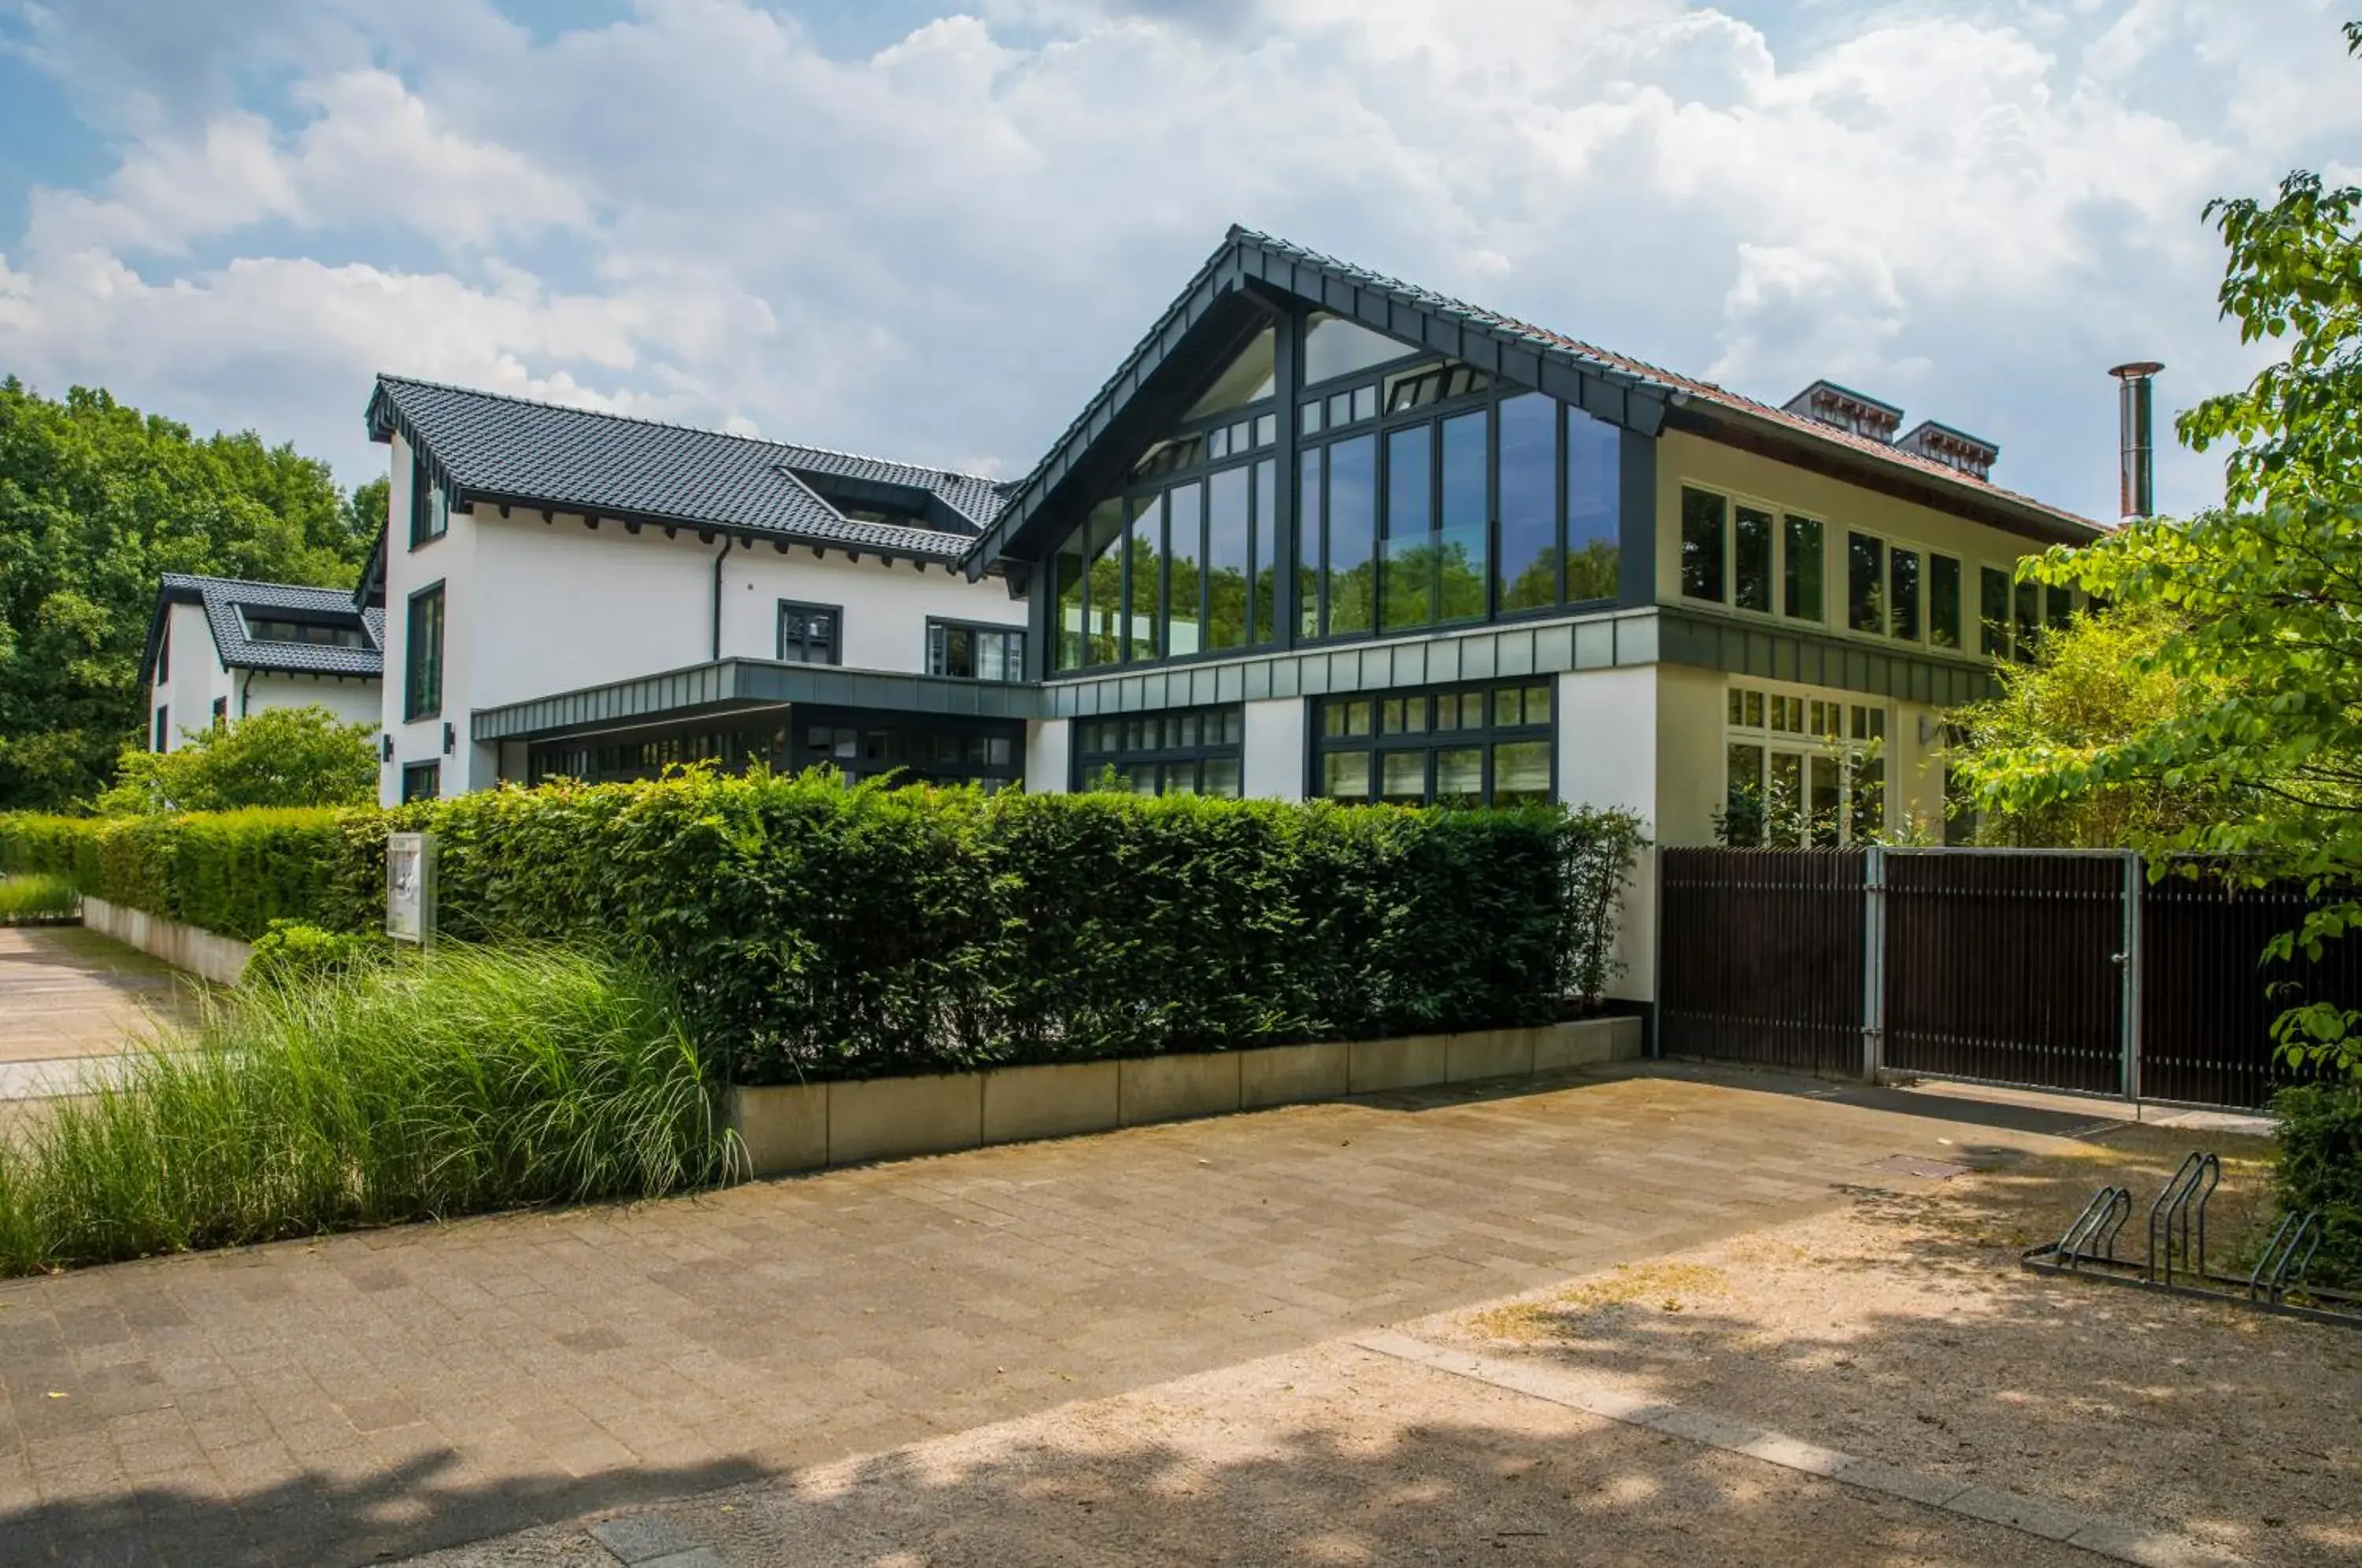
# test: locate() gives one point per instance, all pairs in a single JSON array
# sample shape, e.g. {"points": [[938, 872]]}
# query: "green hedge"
{"points": [[234, 872], [815, 930], [2320, 1133]]}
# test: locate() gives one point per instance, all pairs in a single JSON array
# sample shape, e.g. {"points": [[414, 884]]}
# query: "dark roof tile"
{"points": [[224, 597]]}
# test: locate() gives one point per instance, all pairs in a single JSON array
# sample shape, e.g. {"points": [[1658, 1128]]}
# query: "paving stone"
{"points": [[642, 1538]]}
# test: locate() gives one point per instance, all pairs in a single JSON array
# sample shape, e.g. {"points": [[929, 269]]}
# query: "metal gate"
{"points": [[2044, 970]]}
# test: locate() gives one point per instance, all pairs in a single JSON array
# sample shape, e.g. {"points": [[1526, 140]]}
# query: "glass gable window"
{"points": [[969, 652], [1195, 752], [1246, 379], [1463, 745], [1195, 573], [1530, 548], [1334, 346]]}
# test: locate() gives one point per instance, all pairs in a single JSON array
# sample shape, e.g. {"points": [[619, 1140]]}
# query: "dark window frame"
{"points": [[412, 677], [1379, 743], [1149, 741], [220, 712], [163, 728], [938, 645], [414, 773], [429, 520], [835, 613]]}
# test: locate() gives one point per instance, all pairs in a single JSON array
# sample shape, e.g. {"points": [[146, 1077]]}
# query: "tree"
{"points": [[96, 501], [2094, 683], [281, 756], [2266, 593]]}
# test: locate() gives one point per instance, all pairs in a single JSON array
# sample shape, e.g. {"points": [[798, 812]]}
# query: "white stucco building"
{"points": [[219, 649]]}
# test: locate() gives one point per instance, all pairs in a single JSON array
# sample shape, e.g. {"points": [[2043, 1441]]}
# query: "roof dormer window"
{"points": [[289, 629]]}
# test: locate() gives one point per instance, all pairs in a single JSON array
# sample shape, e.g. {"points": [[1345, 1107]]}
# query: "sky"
{"points": [[930, 235]]}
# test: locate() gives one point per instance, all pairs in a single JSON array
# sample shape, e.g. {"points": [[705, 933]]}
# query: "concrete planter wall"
{"points": [[221, 959], [803, 1127]]}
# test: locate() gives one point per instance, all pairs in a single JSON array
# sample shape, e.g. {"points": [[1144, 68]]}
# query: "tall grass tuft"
{"points": [[467, 1080], [36, 896]]}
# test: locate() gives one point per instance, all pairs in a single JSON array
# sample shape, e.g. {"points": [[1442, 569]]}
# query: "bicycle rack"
{"points": [[2176, 1264]]}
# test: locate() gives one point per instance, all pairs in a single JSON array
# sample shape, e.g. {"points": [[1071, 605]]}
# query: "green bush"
{"points": [[2320, 1131], [36, 895], [232, 872], [814, 929], [292, 953], [472, 1080]]}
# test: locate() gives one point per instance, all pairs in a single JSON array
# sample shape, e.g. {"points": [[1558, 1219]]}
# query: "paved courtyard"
{"points": [[70, 998], [367, 1396]]}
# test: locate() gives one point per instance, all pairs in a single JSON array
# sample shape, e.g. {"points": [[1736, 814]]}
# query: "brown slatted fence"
{"points": [[2207, 1002], [2003, 967], [1760, 956]]}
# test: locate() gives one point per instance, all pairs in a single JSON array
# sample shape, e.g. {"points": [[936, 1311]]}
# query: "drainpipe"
{"points": [[245, 695], [726, 543]]}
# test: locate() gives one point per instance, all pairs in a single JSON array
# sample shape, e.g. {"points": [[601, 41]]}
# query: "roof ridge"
{"points": [[676, 425], [199, 576]]}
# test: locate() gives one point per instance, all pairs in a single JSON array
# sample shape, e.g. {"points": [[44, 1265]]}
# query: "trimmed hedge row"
{"points": [[234, 872], [817, 930]]}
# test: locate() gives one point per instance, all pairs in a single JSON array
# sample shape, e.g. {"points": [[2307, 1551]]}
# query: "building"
{"points": [[1321, 532], [219, 649]]}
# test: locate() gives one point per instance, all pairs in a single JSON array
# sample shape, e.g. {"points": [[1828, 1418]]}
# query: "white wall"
{"points": [[1049, 756], [1275, 737], [355, 701], [1610, 756], [197, 677], [451, 560]]}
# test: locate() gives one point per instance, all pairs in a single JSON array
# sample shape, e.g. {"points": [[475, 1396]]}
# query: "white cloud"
{"points": [[942, 249]]}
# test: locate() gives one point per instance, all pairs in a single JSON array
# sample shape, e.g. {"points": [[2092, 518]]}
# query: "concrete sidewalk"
{"points": [[67, 993], [372, 1395]]}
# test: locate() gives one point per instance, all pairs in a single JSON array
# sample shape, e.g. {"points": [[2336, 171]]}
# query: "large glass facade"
{"points": [[1425, 494]]}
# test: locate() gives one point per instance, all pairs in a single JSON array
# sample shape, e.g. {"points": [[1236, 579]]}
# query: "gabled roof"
{"points": [[490, 447], [226, 598], [1624, 390]]}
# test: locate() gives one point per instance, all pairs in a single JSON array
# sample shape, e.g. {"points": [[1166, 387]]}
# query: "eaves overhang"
{"points": [[728, 685]]}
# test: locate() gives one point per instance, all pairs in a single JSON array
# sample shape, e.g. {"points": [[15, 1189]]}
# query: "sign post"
{"points": [[410, 888]]}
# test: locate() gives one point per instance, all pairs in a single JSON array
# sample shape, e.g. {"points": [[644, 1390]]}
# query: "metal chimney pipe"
{"points": [[2138, 472]]}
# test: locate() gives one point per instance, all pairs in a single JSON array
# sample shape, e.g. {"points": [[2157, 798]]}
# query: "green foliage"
{"points": [[817, 930], [2264, 599], [233, 873], [292, 953], [39, 896], [281, 756], [2319, 1133], [96, 501], [465, 1081], [2094, 683]]}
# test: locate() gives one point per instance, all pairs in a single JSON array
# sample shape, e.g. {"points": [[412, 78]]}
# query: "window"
{"points": [[973, 652], [1865, 583], [1196, 752], [1903, 593], [1704, 515], [1423, 384], [1943, 601], [1433, 548], [2029, 620], [1349, 529], [1528, 561], [1802, 770], [422, 677], [1143, 577], [1806, 563], [1993, 613], [1248, 379], [1334, 346], [1594, 507], [1229, 555], [163, 730], [2059, 605], [430, 516], [321, 634], [911, 749], [808, 633], [421, 781], [220, 712], [1469, 746], [1751, 559], [164, 653]]}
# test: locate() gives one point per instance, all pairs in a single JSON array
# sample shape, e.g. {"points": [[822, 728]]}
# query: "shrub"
{"points": [[281, 756], [34, 896], [2320, 1133], [292, 953], [468, 1080], [815, 929]]}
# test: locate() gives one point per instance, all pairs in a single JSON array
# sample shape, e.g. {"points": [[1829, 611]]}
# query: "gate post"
{"points": [[1874, 961], [2129, 962]]}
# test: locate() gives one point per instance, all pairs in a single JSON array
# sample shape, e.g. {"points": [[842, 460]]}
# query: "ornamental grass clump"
{"points": [[467, 1080]]}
